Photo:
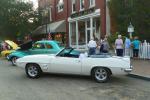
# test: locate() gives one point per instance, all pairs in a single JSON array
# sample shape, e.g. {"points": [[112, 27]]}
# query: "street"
{"points": [[14, 85]]}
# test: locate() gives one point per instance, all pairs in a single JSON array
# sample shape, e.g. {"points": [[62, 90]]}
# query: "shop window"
{"points": [[81, 4], [73, 6], [60, 6], [92, 3]]}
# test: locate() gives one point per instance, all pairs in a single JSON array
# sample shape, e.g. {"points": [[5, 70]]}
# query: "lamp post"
{"points": [[130, 30]]}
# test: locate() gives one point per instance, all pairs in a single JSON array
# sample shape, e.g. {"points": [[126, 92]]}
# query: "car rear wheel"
{"points": [[13, 60], [100, 74], [33, 71]]}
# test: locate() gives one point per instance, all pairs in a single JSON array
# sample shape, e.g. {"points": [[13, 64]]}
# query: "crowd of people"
{"points": [[122, 48], [102, 45]]}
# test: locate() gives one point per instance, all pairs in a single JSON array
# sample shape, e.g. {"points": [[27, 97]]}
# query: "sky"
{"points": [[35, 3]]}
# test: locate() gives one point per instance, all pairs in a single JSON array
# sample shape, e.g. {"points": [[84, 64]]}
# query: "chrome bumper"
{"points": [[128, 70]]}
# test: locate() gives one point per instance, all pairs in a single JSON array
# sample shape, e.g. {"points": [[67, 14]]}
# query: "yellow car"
{"points": [[11, 47]]}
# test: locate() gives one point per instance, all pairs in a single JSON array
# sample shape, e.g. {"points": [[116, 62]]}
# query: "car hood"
{"points": [[12, 44], [25, 46]]}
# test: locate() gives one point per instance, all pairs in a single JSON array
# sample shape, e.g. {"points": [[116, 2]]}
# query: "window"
{"points": [[60, 6], [48, 46], [38, 46], [81, 4], [73, 6], [92, 3]]}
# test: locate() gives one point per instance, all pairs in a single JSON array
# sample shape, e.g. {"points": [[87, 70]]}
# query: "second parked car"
{"points": [[39, 47]]}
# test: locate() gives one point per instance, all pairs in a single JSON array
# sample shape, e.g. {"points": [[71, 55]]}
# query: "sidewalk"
{"points": [[141, 69]]}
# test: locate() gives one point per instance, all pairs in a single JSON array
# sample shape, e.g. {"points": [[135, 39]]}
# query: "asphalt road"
{"points": [[14, 85]]}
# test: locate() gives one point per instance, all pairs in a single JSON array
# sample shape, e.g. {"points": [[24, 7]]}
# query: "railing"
{"points": [[144, 51]]}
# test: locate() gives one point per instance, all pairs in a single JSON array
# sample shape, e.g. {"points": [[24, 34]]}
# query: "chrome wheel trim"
{"points": [[32, 71], [101, 74]]}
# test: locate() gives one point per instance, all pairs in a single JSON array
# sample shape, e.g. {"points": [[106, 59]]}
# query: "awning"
{"points": [[55, 27]]}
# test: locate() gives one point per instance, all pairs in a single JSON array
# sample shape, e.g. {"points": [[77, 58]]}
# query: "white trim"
{"points": [[50, 14], [77, 32], [91, 28], [86, 41], [70, 29]]}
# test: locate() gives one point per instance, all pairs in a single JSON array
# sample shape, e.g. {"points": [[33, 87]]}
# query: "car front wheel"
{"points": [[100, 74], [33, 71], [13, 61]]}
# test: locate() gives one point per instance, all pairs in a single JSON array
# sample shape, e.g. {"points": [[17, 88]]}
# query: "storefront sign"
{"points": [[82, 13]]}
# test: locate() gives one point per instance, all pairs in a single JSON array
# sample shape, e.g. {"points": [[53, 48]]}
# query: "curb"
{"points": [[139, 76]]}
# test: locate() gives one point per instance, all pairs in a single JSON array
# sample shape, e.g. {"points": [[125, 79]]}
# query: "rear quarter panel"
{"points": [[117, 66]]}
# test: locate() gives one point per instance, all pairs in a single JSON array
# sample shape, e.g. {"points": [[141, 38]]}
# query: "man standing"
{"points": [[136, 45], [92, 46], [127, 46]]}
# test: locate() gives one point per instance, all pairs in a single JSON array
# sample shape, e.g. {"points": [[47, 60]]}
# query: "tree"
{"points": [[17, 18], [136, 11]]}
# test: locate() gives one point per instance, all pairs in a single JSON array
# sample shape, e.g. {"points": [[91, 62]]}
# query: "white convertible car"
{"points": [[68, 61]]}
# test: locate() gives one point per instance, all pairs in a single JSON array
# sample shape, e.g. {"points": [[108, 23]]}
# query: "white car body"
{"points": [[77, 66]]}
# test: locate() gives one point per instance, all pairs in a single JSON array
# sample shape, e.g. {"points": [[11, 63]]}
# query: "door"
{"points": [[88, 31], [66, 65], [38, 48], [88, 35]]}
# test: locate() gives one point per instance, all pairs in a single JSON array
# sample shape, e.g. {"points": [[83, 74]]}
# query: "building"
{"points": [[77, 20]]}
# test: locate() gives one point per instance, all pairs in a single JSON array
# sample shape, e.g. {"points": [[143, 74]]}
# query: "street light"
{"points": [[130, 30]]}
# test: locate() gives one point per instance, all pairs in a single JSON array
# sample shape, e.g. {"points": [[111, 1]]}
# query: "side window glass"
{"points": [[48, 46], [38, 46]]}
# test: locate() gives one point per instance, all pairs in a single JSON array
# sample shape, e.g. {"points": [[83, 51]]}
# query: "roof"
{"points": [[54, 27]]}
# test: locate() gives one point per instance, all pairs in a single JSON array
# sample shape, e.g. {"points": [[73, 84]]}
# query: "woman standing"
{"points": [[119, 46]]}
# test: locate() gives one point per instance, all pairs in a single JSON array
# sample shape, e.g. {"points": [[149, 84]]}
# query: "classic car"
{"points": [[11, 46], [39, 47], [100, 67]]}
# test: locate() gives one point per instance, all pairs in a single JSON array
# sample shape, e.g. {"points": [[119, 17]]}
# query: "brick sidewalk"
{"points": [[141, 67]]}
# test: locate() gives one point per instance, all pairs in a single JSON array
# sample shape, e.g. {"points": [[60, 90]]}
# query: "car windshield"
{"points": [[69, 52], [64, 52]]}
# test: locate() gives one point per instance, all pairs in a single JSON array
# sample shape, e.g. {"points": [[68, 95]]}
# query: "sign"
{"points": [[130, 28], [82, 13]]}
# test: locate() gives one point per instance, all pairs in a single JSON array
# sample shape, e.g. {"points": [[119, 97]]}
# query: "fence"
{"points": [[144, 51]]}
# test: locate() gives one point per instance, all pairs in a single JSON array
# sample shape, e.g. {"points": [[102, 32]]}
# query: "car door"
{"points": [[66, 65], [38, 48]]}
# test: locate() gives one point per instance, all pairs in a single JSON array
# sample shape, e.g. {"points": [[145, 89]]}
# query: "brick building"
{"points": [[75, 20]]}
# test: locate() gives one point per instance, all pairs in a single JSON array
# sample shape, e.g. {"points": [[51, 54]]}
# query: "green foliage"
{"points": [[135, 11], [14, 18]]}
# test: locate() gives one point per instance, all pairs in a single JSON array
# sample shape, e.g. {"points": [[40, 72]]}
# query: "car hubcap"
{"points": [[100, 74], [14, 60], [32, 71]]}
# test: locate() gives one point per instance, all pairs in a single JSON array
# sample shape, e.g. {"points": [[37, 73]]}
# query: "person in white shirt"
{"points": [[92, 46]]}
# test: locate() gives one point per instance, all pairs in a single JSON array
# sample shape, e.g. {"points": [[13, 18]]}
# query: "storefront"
{"points": [[83, 26], [55, 31]]}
